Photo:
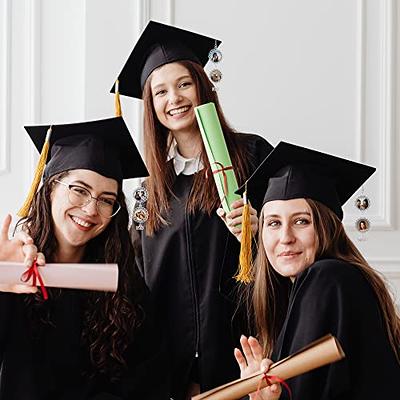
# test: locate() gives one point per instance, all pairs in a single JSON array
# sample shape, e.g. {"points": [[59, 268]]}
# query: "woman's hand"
{"points": [[250, 362], [234, 219], [18, 249]]}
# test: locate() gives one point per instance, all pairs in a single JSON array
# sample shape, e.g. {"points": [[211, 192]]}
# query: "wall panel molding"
{"points": [[5, 78], [386, 112], [170, 12], [32, 75], [383, 220], [360, 80]]}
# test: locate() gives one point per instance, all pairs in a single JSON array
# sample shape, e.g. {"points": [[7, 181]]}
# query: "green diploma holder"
{"points": [[217, 152]]}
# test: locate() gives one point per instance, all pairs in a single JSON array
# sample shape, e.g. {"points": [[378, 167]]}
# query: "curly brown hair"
{"points": [[110, 319], [270, 293]]}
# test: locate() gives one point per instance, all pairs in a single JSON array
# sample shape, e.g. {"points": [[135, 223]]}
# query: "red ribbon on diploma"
{"points": [[33, 272], [222, 169], [274, 379]]}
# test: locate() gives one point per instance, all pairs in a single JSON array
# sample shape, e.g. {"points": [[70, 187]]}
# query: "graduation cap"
{"points": [[292, 172], [103, 146], [161, 44]]}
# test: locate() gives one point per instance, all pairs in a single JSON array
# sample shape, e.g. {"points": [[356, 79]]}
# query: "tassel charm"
{"points": [[245, 259], [24, 210], [118, 109]]}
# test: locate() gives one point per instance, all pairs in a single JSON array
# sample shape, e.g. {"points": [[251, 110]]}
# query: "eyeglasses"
{"points": [[80, 197]]}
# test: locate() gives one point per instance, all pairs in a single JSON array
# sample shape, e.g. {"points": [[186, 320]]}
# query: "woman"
{"points": [[81, 344], [189, 256], [310, 280]]}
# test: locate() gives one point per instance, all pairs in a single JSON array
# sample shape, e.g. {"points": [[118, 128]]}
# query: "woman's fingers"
{"points": [[23, 237], [240, 359], [5, 227], [256, 348], [41, 259], [266, 364], [221, 214], [30, 252], [246, 349]]}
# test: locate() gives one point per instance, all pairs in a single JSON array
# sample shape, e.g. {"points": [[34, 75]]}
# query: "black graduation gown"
{"points": [[49, 365], [188, 267], [334, 297]]}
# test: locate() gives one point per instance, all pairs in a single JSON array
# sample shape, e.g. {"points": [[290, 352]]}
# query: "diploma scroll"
{"points": [[319, 353], [103, 277], [217, 153]]}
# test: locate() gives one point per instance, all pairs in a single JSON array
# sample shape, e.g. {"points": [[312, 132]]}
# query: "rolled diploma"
{"points": [[102, 277], [319, 353], [217, 152]]}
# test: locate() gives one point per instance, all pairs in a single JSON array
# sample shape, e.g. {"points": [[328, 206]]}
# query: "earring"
{"points": [[140, 214], [215, 56], [363, 225]]}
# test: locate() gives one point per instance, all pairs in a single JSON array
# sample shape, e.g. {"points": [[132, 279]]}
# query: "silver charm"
{"points": [[141, 194], [140, 216], [215, 75], [363, 225], [215, 55], [362, 202]]}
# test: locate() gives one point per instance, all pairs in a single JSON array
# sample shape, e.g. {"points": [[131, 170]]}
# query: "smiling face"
{"points": [[289, 236], [174, 96], [75, 226]]}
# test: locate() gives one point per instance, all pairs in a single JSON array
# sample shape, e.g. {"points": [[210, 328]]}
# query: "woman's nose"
{"points": [[91, 208], [287, 235], [175, 97]]}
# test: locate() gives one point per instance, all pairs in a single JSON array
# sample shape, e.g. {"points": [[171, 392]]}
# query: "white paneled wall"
{"points": [[322, 73]]}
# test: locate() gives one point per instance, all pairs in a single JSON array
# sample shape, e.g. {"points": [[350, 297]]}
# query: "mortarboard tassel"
{"points": [[118, 110], [245, 258], [24, 210]]}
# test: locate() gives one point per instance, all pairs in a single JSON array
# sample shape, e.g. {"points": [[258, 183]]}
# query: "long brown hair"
{"points": [[270, 294], [157, 140], [110, 319]]}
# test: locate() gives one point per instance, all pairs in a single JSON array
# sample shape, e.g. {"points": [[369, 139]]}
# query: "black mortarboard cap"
{"points": [[291, 172], [104, 146], [161, 44]]}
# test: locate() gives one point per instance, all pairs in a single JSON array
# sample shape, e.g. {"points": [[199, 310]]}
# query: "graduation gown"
{"points": [[334, 297], [188, 267], [49, 364]]}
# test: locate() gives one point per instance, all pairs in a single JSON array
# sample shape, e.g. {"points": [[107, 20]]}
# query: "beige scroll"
{"points": [[317, 354]]}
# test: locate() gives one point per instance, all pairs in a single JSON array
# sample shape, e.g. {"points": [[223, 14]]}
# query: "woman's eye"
{"points": [[184, 84], [79, 191], [160, 92], [107, 202], [302, 221], [273, 223]]}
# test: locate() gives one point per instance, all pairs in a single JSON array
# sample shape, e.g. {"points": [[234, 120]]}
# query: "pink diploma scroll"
{"points": [[103, 277], [319, 353]]}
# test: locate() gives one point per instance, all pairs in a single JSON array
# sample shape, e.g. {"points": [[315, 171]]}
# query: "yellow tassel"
{"points": [[23, 212], [118, 110], [245, 259]]}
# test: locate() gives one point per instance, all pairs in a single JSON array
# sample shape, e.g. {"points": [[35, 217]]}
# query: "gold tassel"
{"points": [[245, 259], [118, 110], [23, 212]]}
